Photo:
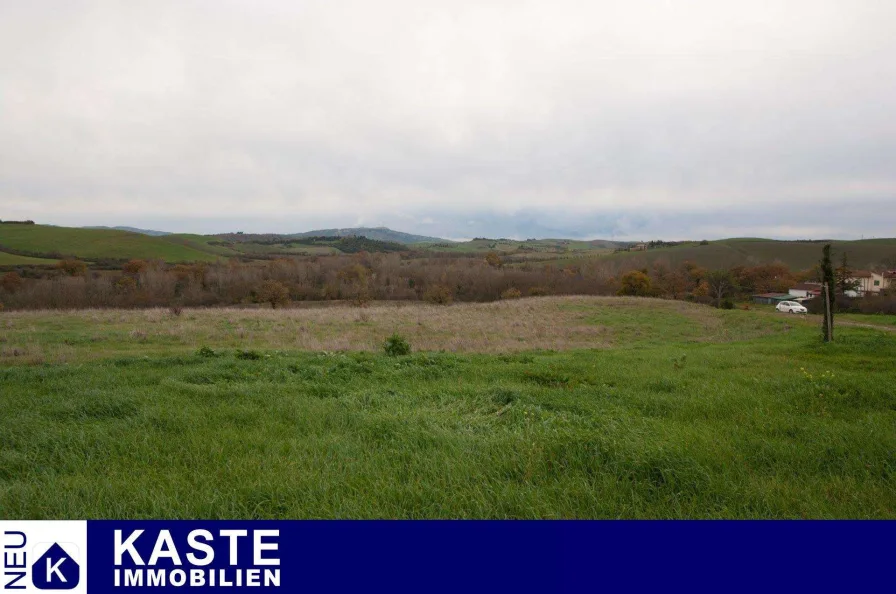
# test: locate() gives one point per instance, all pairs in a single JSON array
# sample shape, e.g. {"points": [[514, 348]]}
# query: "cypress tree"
{"points": [[845, 281], [827, 277]]}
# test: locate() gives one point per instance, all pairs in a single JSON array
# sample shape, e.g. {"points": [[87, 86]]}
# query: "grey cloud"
{"points": [[537, 118]]}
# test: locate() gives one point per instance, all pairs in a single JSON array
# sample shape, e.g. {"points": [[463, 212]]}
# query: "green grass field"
{"points": [[725, 253], [640, 409], [201, 243], [7, 259], [540, 247], [93, 244], [885, 320]]}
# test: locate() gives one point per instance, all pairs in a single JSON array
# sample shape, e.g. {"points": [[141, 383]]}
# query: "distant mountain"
{"points": [[377, 233], [132, 230]]}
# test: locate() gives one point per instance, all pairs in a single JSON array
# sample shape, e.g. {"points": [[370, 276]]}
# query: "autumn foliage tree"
{"points": [[72, 267], [440, 294], [273, 292], [11, 282], [494, 260], [764, 278], [126, 284], [636, 283], [357, 277], [134, 266]]}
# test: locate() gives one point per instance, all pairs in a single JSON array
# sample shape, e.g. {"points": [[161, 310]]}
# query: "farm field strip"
{"points": [[659, 410]]}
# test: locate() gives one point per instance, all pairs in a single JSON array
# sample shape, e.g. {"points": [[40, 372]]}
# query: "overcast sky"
{"points": [[630, 119]]}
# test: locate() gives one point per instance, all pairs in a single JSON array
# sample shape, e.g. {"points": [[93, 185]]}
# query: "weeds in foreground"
{"points": [[206, 351], [396, 346]]}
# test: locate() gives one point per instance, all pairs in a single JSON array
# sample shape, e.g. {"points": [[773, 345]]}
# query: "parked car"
{"points": [[791, 307]]}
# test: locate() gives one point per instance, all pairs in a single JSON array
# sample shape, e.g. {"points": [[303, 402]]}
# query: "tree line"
{"points": [[364, 277]]}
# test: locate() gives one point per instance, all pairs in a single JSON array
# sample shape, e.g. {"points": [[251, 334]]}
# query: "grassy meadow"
{"points": [[548, 407], [7, 259], [726, 253], [91, 244]]}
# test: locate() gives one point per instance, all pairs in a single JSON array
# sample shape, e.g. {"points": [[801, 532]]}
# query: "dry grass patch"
{"points": [[536, 323]]}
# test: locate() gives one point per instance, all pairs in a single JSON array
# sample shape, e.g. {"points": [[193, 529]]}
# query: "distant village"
{"points": [[866, 283]]}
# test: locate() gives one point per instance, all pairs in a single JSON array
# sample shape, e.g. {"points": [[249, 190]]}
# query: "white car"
{"points": [[791, 307]]}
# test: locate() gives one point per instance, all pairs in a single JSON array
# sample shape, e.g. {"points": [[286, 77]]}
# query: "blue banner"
{"points": [[448, 556]]}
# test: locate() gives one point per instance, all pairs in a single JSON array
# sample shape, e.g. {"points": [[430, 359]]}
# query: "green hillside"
{"points": [[44, 244], [203, 243], [866, 253], [530, 246], [261, 245], [95, 244], [131, 229], [725, 253], [7, 259], [376, 233]]}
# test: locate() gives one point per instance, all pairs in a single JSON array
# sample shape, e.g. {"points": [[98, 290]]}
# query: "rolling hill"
{"points": [[43, 244], [132, 230], [725, 253], [94, 244], [567, 247], [376, 233]]}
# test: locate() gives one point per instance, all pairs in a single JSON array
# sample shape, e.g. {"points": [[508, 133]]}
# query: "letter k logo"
{"points": [[55, 570]]}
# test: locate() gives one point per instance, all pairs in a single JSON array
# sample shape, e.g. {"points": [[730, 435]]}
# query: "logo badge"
{"points": [[43, 555], [55, 570]]}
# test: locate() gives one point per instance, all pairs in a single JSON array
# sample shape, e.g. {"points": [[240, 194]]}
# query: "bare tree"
{"points": [[273, 292], [721, 285]]}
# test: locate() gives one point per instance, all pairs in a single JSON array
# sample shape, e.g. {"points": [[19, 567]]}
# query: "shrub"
{"points": [[511, 293], [206, 351], [396, 346], [72, 267], [273, 292], [362, 296], [634, 283], [330, 291], [134, 266], [440, 294], [538, 291], [11, 282], [248, 355], [727, 304], [126, 284]]}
